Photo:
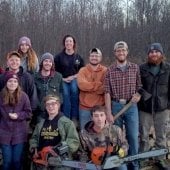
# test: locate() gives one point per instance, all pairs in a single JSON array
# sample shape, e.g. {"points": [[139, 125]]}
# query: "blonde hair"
{"points": [[32, 58]]}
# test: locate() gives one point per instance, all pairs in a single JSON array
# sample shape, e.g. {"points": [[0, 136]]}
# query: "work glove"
{"points": [[120, 151]]}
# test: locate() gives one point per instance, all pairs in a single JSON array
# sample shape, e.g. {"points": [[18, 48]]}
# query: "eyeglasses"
{"points": [[51, 104]]}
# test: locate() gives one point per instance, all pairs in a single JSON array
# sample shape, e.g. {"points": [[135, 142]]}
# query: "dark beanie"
{"points": [[155, 46], [10, 74], [47, 56]]}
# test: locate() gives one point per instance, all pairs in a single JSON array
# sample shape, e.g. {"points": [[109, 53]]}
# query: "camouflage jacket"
{"points": [[110, 135]]}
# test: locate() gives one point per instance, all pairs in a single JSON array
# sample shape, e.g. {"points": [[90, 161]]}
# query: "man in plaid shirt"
{"points": [[122, 84]]}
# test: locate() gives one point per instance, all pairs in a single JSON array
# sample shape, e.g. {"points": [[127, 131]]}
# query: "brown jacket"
{"points": [[90, 83]]}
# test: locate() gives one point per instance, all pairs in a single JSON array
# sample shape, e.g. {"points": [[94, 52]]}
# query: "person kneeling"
{"points": [[100, 139], [53, 131]]}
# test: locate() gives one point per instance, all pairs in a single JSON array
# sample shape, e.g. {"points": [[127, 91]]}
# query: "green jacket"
{"points": [[67, 131], [53, 85]]}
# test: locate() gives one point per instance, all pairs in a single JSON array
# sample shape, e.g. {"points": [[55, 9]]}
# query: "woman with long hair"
{"points": [[68, 63], [15, 110], [29, 57]]}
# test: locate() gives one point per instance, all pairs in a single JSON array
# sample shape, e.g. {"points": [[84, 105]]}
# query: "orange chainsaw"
{"points": [[50, 156]]}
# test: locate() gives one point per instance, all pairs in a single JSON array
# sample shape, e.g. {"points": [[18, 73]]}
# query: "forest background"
{"points": [[94, 23]]}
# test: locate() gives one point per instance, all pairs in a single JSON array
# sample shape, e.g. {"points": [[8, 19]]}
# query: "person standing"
{"points": [[47, 81], [122, 84], [26, 81], [155, 76], [68, 63], [15, 110], [29, 59], [90, 82]]}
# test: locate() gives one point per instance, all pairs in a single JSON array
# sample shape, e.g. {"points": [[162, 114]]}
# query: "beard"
{"points": [[121, 59], [155, 62]]}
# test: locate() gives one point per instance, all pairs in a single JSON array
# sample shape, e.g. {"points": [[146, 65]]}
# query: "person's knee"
{"points": [[74, 91], [66, 94]]}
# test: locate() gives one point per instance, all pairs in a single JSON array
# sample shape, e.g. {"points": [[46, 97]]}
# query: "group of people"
{"points": [[54, 95]]}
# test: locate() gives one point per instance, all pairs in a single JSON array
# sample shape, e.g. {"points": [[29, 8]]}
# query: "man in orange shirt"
{"points": [[90, 82]]}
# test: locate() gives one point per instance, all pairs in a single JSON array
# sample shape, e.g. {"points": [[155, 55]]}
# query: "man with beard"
{"points": [[155, 76], [122, 84], [47, 81], [90, 82]]}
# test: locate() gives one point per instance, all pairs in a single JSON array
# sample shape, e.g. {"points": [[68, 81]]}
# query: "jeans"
{"points": [[70, 106], [131, 121], [12, 155], [84, 117]]}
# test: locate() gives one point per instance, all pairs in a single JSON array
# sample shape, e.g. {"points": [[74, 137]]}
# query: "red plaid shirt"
{"points": [[122, 84]]}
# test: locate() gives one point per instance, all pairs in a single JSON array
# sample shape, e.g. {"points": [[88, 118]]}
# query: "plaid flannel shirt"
{"points": [[122, 84]]}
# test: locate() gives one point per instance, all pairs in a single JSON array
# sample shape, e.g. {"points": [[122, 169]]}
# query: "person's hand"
{"points": [[13, 116], [120, 151], [66, 80], [69, 79], [35, 153], [135, 98], [110, 118]]}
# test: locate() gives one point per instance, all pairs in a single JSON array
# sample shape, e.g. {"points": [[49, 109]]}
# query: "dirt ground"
{"points": [[154, 167]]}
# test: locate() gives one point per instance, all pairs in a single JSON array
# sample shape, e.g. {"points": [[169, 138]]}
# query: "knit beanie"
{"points": [[47, 56], [155, 46], [24, 40], [10, 74]]}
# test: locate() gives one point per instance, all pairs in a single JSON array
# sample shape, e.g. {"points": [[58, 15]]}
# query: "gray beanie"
{"points": [[47, 56]]}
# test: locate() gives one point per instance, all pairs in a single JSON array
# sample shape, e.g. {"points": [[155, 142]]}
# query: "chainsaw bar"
{"points": [[115, 161], [81, 165]]}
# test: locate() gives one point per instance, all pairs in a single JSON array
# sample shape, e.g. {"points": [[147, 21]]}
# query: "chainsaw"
{"points": [[114, 161], [61, 159]]}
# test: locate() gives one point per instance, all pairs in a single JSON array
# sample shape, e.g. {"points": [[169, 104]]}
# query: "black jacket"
{"points": [[158, 87], [68, 65]]}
